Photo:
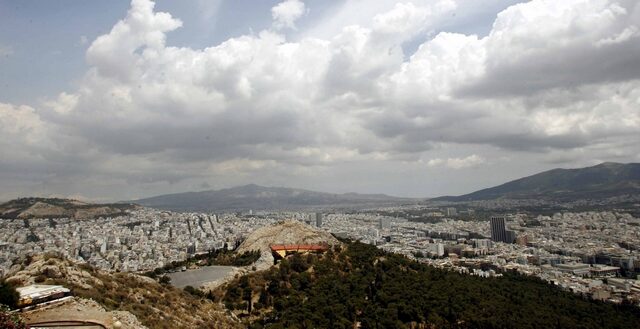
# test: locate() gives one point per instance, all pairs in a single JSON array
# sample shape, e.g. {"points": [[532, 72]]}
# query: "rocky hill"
{"points": [[603, 181], [25, 208], [286, 232], [150, 303], [264, 198]]}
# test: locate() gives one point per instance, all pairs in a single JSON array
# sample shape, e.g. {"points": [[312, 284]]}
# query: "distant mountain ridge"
{"points": [[605, 180], [25, 208], [258, 197]]}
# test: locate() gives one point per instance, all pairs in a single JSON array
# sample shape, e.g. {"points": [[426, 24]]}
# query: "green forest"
{"points": [[360, 284]]}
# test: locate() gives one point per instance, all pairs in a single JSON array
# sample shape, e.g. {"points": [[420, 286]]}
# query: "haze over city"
{"points": [[115, 101]]}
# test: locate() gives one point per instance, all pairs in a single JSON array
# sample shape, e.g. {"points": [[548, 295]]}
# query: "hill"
{"points": [[605, 180], [263, 198], [356, 285], [127, 296], [286, 232], [25, 208]]}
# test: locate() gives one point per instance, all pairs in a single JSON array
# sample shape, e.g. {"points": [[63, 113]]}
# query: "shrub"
{"points": [[8, 294], [165, 279], [10, 321]]}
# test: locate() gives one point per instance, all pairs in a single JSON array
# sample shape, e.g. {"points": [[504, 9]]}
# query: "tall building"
{"points": [[383, 223], [499, 232], [451, 212], [318, 219], [498, 229]]}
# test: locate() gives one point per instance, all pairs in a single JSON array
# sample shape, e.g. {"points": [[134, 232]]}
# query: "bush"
{"points": [[193, 291], [10, 321], [8, 294], [165, 279]]}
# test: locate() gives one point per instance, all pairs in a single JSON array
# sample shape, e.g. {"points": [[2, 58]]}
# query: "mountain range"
{"points": [[265, 198], [602, 181]]}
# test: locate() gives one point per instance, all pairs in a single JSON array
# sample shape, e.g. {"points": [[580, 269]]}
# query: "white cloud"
{"points": [[140, 35], [457, 163], [407, 19], [64, 104], [551, 77], [286, 13]]}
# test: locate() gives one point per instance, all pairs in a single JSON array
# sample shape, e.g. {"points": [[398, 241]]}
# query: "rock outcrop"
{"points": [[286, 232]]}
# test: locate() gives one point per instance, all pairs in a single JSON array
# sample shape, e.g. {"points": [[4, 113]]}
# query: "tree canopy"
{"points": [[362, 284]]}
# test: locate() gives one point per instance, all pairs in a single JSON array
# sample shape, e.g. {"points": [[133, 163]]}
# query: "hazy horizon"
{"points": [[115, 101]]}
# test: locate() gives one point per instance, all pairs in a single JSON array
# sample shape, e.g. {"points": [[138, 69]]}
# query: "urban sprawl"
{"points": [[590, 253]]}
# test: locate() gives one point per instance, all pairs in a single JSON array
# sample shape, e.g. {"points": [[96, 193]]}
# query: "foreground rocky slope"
{"points": [[155, 305]]}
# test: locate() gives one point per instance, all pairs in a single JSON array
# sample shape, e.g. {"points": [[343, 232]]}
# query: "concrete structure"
{"points": [[451, 212], [575, 269], [318, 219], [383, 223], [498, 229], [39, 293], [282, 250], [602, 271], [436, 249]]}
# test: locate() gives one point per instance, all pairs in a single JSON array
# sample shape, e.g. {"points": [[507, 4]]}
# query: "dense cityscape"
{"points": [[590, 253], [320, 164]]}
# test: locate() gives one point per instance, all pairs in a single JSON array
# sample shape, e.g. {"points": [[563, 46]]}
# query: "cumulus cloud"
{"points": [[286, 13], [543, 44], [550, 77], [457, 163]]}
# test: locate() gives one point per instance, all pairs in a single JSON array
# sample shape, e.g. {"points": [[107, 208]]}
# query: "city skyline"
{"points": [[109, 102]]}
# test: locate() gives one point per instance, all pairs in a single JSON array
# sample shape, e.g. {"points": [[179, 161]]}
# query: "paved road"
{"points": [[198, 277]]}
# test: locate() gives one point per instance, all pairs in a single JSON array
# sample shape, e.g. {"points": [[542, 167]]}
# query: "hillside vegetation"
{"points": [[364, 285], [155, 305]]}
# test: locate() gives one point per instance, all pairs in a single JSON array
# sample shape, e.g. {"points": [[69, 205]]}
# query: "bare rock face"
{"points": [[287, 232]]}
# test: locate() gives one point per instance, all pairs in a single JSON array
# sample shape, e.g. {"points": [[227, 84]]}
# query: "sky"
{"points": [[111, 100]]}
